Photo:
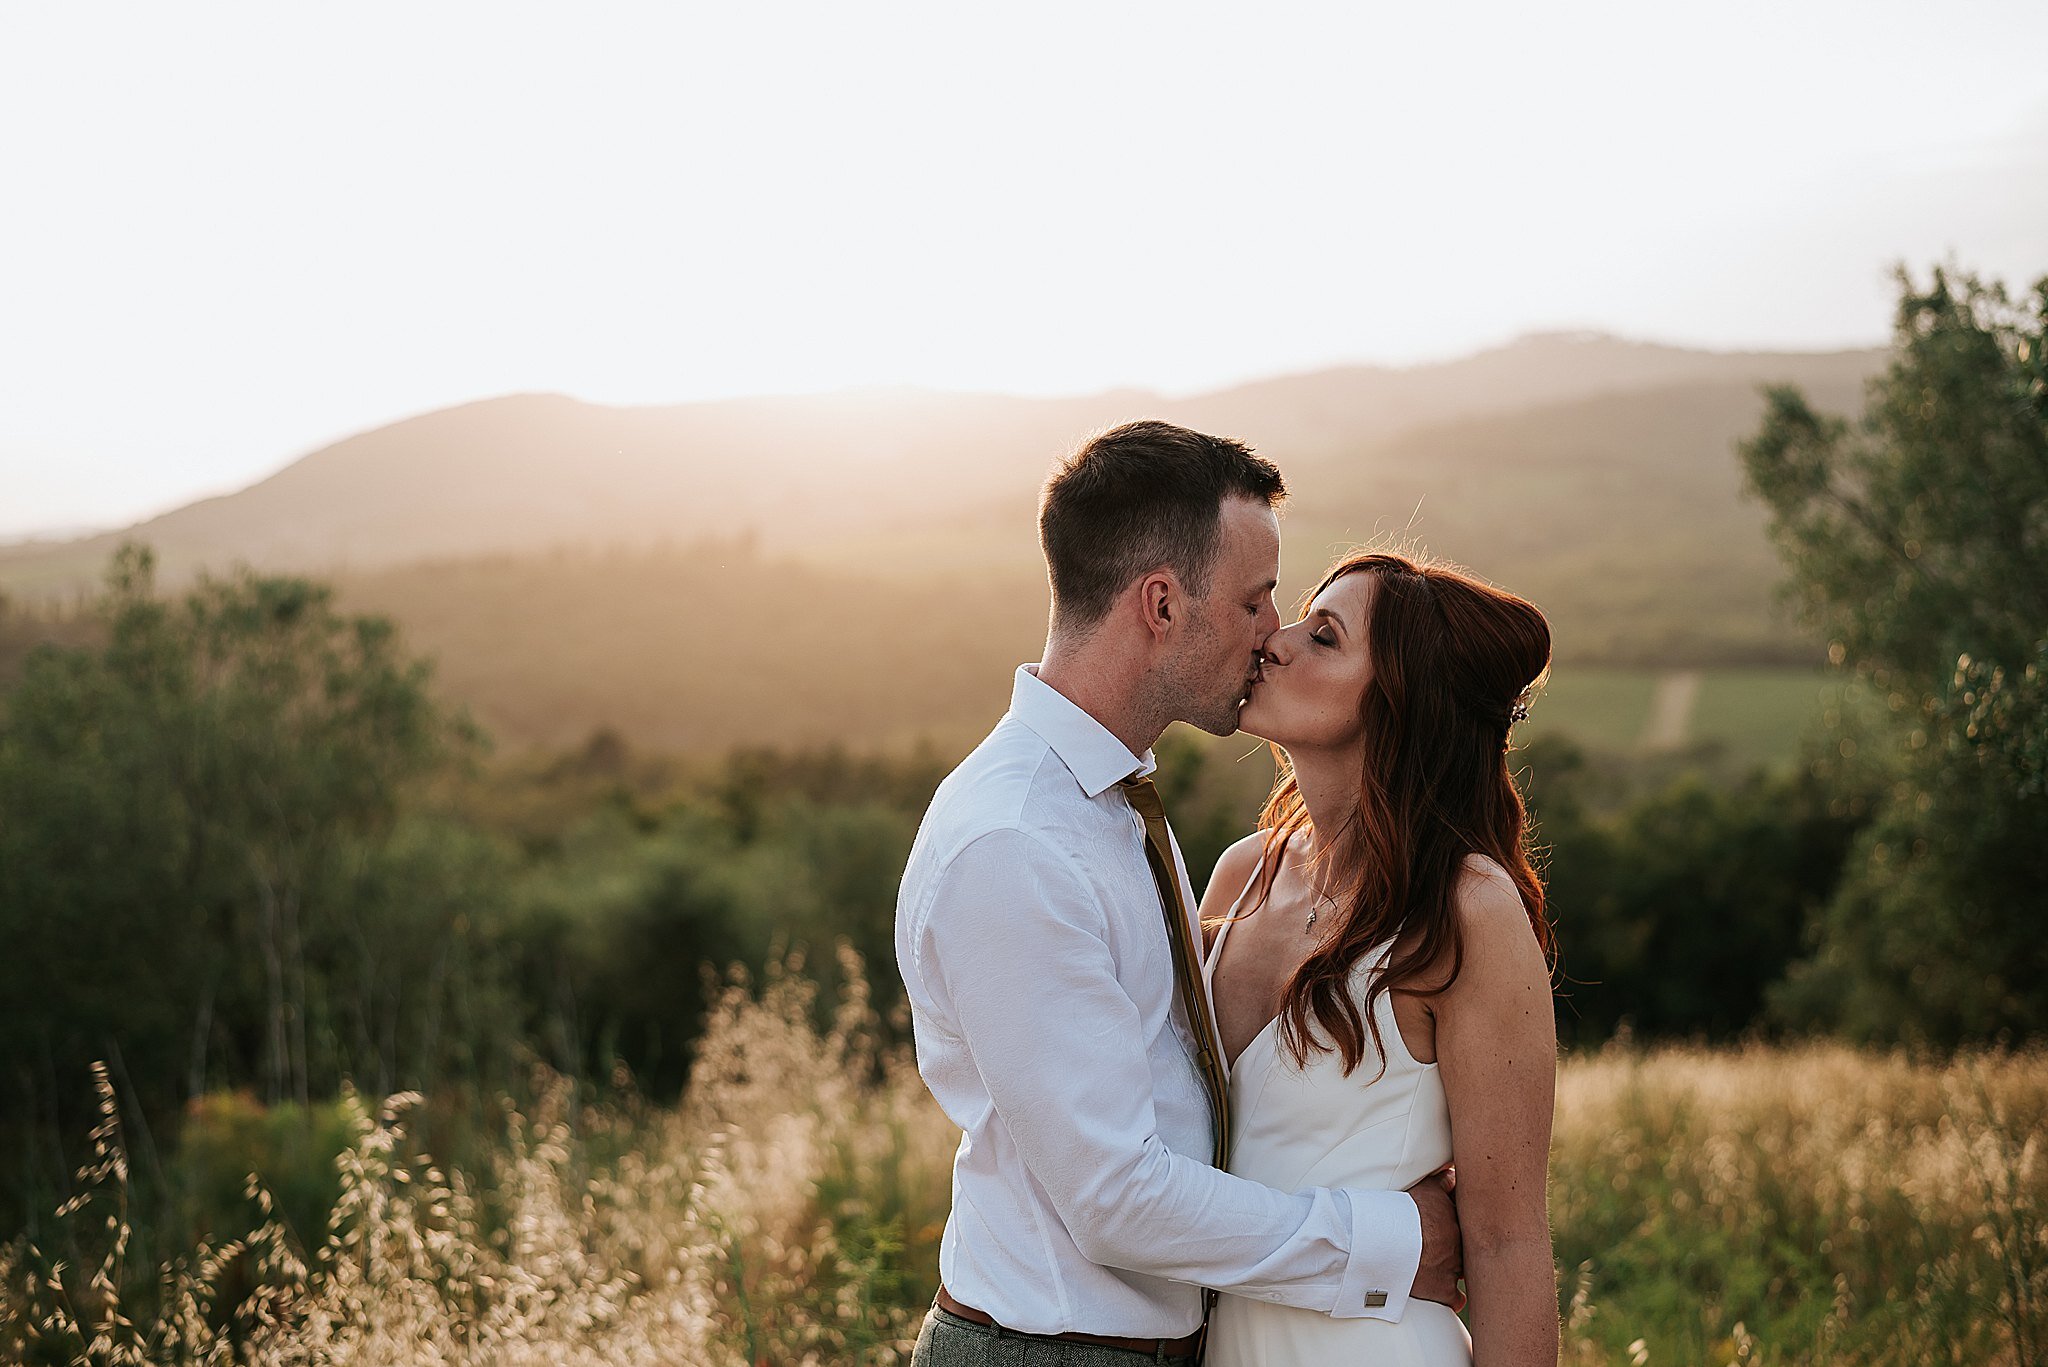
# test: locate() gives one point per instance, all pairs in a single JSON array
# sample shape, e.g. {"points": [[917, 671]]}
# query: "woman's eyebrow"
{"points": [[1326, 612]]}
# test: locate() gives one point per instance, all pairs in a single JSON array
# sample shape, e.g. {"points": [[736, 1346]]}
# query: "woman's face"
{"points": [[1315, 673]]}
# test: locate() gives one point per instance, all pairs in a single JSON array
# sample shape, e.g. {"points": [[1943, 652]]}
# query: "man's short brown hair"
{"points": [[1137, 497]]}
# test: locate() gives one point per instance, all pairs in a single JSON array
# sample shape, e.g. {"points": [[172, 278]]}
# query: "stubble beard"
{"points": [[1221, 720], [1197, 699]]}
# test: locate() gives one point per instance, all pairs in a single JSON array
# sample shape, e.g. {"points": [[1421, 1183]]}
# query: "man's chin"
{"points": [[1223, 723]]}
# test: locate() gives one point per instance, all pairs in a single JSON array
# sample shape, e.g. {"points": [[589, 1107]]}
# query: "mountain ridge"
{"points": [[524, 472], [744, 590]]}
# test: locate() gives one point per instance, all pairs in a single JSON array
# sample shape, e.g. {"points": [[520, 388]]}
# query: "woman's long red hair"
{"points": [[1451, 656]]}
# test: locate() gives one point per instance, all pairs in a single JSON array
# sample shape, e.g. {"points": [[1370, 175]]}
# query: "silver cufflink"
{"points": [[1375, 1300]]}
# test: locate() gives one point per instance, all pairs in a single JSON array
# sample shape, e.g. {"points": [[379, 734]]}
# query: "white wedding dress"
{"points": [[1296, 1128]]}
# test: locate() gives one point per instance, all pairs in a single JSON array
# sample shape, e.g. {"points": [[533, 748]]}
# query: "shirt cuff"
{"points": [[1386, 1250]]}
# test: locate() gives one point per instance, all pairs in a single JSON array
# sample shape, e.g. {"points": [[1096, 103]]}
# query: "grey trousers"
{"points": [[949, 1341]]}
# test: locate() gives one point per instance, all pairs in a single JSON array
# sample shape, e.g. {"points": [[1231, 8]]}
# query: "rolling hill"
{"points": [[865, 567], [530, 472]]}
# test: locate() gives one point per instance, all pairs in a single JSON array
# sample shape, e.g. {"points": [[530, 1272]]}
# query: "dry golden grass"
{"points": [[732, 1229], [1800, 1205], [1811, 1204]]}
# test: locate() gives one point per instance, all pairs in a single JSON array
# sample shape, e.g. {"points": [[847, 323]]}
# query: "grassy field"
{"points": [[1806, 1205], [1756, 715], [1760, 714]]}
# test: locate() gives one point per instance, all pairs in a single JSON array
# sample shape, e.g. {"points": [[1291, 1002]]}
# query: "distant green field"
{"points": [[1760, 714], [1595, 706], [1757, 714]]}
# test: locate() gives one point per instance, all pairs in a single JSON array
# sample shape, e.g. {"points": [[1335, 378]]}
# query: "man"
{"points": [[1042, 979]]}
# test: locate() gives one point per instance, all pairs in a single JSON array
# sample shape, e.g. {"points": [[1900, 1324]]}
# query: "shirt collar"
{"points": [[1095, 757]]}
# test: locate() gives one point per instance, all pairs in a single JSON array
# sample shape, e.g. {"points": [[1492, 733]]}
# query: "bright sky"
{"points": [[233, 232]]}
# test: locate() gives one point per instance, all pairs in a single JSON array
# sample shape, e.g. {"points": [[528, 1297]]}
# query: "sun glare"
{"points": [[257, 229]]}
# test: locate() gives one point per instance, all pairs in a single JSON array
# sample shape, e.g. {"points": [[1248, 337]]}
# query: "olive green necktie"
{"points": [[1187, 958]]}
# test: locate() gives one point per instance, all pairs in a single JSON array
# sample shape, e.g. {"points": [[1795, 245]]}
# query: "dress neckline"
{"points": [[1215, 953]]}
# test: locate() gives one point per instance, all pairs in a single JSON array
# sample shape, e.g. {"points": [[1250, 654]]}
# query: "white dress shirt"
{"points": [[1042, 1000]]}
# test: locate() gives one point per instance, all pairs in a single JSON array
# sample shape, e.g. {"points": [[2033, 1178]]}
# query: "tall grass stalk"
{"points": [[1803, 1205]]}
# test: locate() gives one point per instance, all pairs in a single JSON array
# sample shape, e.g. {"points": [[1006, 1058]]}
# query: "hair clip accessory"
{"points": [[1519, 712]]}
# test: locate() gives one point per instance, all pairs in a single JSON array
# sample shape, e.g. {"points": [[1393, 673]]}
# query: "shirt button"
{"points": [[1375, 1300]]}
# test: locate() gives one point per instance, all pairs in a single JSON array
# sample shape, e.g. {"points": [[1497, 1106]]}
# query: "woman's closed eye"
{"points": [[1323, 636]]}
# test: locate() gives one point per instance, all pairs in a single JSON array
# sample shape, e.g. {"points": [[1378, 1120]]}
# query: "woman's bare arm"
{"points": [[1496, 1042]]}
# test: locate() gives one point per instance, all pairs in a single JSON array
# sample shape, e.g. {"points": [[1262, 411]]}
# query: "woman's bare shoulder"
{"points": [[1240, 859], [1487, 895], [1233, 871], [1494, 931], [1485, 866]]}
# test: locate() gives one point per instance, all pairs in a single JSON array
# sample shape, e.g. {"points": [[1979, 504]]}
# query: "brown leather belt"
{"points": [[1173, 1348]]}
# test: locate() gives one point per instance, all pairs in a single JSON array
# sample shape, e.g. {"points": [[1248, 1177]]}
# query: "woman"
{"points": [[1379, 953]]}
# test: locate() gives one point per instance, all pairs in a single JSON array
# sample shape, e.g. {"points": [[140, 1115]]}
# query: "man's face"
{"points": [[1218, 659]]}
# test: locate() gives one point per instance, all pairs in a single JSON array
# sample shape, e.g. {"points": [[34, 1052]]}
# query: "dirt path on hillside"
{"points": [[1671, 709]]}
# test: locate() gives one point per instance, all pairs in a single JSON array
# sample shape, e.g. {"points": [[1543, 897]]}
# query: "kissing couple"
{"points": [[1277, 1129]]}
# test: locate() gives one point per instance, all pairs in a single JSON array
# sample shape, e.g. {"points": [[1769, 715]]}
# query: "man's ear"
{"points": [[1160, 602]]}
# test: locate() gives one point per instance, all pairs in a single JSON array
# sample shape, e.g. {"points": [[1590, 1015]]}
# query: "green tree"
{"points": [[1917, 539], [190, 815], [1676, 913]]}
